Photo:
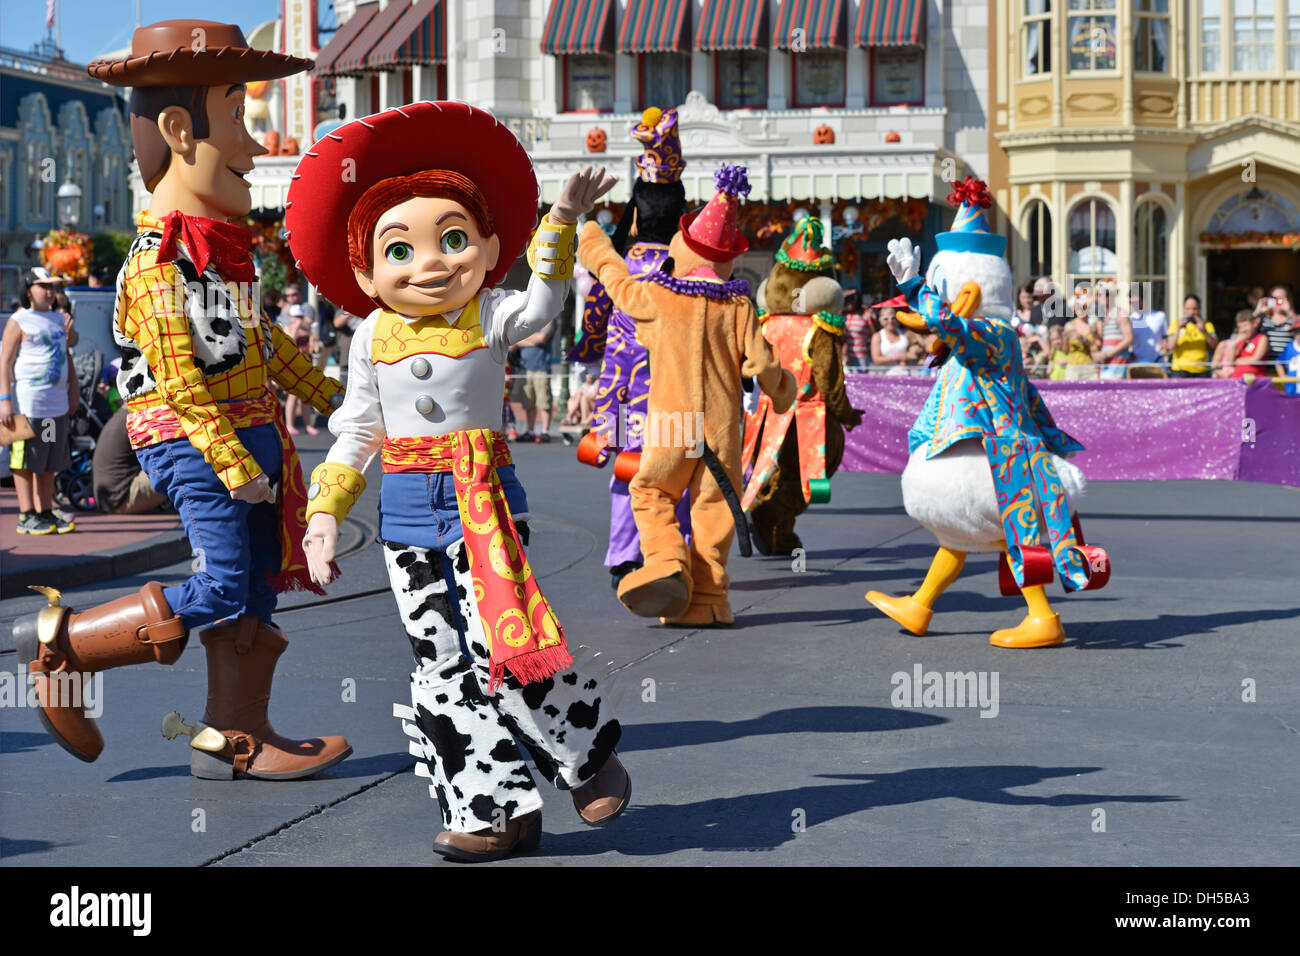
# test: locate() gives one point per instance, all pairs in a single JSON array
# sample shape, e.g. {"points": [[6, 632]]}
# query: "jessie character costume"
{"points": [[986, 470], [702, 335], [609, 334], [198, 355], [492, 669], [794, 454]]}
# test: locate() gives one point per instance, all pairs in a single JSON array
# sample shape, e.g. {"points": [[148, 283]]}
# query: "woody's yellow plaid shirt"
{"points": [[149, 316]]}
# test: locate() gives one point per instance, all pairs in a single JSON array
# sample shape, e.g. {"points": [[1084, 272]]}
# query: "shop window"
{"points": [[1151, 42], [1038, 232], [589, 83], [1293, 36], [665, 79], [1036, 34], [1091, 32], [1092, 242], [1252, 35], [1152, 253], [897, 76], [818, 77], [741, 79]]}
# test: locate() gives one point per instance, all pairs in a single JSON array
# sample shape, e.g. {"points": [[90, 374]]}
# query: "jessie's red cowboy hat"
{"points": [[194, 53], [332, 176]]}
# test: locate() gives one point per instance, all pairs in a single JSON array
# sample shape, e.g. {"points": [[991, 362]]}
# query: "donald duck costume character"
{"points": [[985, 471], [435, 204]]}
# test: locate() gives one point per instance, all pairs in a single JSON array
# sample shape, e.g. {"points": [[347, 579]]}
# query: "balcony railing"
{"points": [[1212, 101]]}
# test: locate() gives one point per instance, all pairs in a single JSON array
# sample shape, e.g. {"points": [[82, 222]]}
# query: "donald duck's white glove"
{"points": [[904, 259]]}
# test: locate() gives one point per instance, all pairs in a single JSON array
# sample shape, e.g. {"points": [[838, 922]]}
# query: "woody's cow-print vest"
{"points": [[215, 329]]}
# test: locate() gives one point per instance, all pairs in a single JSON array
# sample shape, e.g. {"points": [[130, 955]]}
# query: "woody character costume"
{"points": [[609, 334], [197, 356], [793, 455], [424, 394]]}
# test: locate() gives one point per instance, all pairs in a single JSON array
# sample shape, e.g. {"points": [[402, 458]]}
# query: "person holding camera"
{"points": [[1192, 342]]}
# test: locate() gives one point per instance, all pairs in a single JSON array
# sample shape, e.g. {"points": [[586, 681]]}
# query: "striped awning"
{"points": [[732, 25], [812, 24], [654, 26], [891, 23], [343, 37], [420, 36], [353, 59], [579, 26]]}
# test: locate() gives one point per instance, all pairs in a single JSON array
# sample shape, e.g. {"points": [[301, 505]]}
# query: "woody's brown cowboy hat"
{"points": [[194, 53]]}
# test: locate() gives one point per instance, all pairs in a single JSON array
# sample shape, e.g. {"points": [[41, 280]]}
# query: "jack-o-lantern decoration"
{"points": [[596, 140], [272, 142], [289, 147], [823, 135], [892, 137]]}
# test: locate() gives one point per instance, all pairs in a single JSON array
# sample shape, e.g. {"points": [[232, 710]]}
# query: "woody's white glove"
{"points": [[904, 259]]}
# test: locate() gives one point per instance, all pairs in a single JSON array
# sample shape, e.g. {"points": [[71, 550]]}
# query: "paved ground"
{"points": [[776, 741]]}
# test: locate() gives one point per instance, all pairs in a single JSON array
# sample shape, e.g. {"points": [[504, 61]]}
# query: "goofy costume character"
{"points": [[609, 334], [703, 335], [198, 354], [418, 240], [986, 471]]}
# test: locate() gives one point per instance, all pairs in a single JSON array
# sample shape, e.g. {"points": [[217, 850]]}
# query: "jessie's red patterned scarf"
{"points": [[522, 632]]}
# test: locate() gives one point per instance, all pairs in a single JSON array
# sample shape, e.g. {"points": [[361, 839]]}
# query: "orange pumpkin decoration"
{"points": [[595, 140], [272, 142], [892, 137], [823, 135], [289, 147], [63, 262]]}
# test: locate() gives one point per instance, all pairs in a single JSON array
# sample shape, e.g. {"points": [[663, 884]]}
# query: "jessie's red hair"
{"points": [[387, 193]]}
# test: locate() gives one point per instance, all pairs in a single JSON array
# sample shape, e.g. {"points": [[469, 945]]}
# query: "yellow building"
{"points": [[1149, 140]]}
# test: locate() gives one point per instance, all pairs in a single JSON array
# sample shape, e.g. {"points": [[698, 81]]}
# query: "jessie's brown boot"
{"points": [[63, 648], [521, 835], [605, 796], [242, 653]]}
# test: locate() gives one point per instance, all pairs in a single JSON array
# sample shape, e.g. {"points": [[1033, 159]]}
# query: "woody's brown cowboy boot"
{"points": [[242, 652], [63, 648], [520, 835]]}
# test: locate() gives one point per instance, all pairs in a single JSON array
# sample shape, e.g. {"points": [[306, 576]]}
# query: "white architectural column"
{"points": [[856, 80], [702, 75], [625, 83]]}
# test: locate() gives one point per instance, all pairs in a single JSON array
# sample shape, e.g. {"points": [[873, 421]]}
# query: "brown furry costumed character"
{"points": [[703, 335], [788, 449]]}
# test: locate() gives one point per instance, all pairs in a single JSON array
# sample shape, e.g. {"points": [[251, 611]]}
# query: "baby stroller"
{"points": [[74, 487]]}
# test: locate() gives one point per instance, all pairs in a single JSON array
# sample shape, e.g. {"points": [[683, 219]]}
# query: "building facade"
{"points": [[857, 111], [57, 126], [1153, 141]]}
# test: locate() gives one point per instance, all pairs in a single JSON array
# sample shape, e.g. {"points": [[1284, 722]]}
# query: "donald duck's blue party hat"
{"points": [[970, 230]]}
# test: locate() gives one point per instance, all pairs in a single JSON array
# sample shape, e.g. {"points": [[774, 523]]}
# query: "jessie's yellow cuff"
{"points": [[550, 253], [334, 489]]}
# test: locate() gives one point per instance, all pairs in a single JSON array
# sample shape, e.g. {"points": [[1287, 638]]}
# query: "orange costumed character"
{"points": [[702, 333]]}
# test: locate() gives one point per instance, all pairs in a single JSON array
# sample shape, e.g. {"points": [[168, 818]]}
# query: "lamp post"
{"points": [[69, 196]]}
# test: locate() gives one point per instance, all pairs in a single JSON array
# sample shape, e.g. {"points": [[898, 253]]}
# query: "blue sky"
{"points": [[93, 27]]}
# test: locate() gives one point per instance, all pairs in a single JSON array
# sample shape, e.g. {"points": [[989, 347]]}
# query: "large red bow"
{"points": [[209, 240], [974, 192]]}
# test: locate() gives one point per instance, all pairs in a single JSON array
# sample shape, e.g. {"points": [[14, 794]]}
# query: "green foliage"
{"points": [[109, 252], [275, 274]]}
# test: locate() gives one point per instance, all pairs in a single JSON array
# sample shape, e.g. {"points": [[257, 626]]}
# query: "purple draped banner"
{"points": [[1145, 430]]}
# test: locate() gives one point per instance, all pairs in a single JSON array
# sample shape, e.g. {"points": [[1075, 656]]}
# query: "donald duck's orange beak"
{"points": [[910, 320], [967, 301]]}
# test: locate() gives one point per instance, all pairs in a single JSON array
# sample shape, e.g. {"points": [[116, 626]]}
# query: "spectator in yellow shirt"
{"points": [[1193, 341]]}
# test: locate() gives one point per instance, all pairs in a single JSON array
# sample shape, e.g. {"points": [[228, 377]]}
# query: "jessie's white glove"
{"points": [[319, 543], [904, 259]]}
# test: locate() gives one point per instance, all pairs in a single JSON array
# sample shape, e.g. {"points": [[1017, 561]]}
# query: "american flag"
{"points": [[49, 13]]}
